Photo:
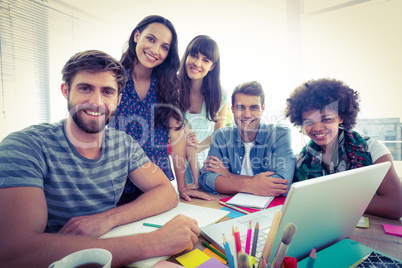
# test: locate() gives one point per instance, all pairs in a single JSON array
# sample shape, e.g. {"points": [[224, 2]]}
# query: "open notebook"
{"points": [[204, 216]]}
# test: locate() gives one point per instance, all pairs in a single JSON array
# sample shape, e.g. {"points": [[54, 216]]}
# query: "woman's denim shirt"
{"points": [[271, 151]]}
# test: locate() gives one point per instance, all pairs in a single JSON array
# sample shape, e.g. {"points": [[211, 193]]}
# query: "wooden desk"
{"points": [[376, 238], [373, 237]]}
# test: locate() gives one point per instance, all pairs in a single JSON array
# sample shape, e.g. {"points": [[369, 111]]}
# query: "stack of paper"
{"points": [[250, 201]]}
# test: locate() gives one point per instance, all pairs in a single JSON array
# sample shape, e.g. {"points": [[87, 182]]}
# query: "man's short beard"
{"points": [[92, 127]]}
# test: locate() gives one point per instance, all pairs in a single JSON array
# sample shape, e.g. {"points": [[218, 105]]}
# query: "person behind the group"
{"points": [[149, 104], [326, 110], [252, 156], [203, 100], [60, 182]]}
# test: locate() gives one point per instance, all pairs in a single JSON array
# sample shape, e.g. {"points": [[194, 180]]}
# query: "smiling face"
{"points": [[198, 66], [92, 100], [322, 126], [153, 44], [247, 112]]}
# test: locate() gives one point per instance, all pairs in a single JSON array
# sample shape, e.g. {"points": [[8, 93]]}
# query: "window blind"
{"points": [[36, 38]]}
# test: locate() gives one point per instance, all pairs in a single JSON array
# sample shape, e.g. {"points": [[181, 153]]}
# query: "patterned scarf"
{"points": [[350, 152]]}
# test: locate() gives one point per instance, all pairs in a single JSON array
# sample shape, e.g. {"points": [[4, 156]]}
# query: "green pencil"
{"points": [[152, 225], [215, 251]]}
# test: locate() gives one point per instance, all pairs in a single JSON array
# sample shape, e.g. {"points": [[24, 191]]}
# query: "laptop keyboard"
{"points": [[262, 238]]}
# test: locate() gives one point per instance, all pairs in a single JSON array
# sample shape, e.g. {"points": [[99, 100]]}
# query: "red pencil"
{"points": [[236, 234]]}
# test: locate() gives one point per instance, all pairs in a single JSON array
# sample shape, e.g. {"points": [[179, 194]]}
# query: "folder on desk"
{"points": [[345, 253], [277, 201]]}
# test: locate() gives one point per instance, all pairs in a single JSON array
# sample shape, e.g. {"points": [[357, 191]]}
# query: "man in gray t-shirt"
{"points": [[60, 183]]}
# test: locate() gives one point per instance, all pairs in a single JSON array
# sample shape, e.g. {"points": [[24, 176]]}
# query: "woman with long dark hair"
{"points": [[203, 100], [150, 98]]}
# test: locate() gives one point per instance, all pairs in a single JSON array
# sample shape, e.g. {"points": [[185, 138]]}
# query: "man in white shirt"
{"points": [[250, 157]]}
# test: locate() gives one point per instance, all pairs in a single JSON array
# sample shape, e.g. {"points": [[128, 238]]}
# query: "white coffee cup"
{"points": [[90, 255]]}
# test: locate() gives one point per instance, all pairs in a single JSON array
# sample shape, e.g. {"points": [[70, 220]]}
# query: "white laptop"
{"points": [[325, 210]]}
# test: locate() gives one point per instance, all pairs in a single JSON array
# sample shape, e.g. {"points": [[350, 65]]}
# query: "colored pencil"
{"points": [[311, 258], [229, 255], [266, 252], [248, 239], [283, 246], [234, 207], [263, 263], [152, 225], [255, 239], [217, 252], [236, 235]]}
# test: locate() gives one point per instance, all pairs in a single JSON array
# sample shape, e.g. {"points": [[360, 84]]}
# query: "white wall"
{"points": [[359, 44]]}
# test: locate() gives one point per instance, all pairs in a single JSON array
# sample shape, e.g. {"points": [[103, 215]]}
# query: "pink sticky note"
{"points": [[392, 229], [212, 263]]}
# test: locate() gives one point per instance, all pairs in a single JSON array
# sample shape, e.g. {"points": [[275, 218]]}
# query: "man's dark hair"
{"points": [[94, 61], [249, 88]]}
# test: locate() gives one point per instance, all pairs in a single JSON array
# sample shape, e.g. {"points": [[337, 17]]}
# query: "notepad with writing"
{"points": [[250, 201]]}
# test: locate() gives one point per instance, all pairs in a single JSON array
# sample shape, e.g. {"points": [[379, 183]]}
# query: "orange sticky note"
{"points": [[211, 254]]}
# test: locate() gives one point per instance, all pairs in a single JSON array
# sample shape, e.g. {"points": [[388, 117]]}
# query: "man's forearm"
{"points": [[231, 185], [40, 250], [152, 202]]}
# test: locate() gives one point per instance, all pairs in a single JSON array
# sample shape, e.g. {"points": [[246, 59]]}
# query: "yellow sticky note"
{"points": [[193, 258], [363, 222]]}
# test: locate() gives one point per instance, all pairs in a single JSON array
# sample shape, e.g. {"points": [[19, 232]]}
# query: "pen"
{"points": [[229, 255], [215, 251], [152, 225], [255, 239], [248, 239]]}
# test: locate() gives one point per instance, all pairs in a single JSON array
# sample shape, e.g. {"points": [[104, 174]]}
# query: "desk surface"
{"points": [[373, 237]]}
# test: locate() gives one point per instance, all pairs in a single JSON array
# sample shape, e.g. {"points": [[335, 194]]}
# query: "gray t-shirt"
{"points": [[42, 156]]}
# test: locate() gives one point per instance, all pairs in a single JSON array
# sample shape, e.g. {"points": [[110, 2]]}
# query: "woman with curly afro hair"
{"points": [[326, 111]]}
